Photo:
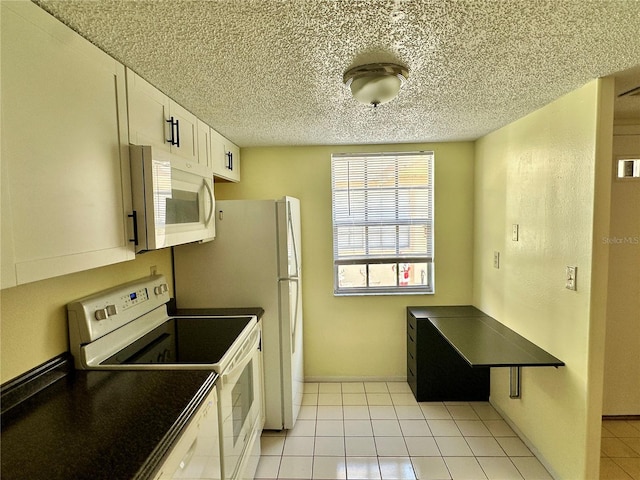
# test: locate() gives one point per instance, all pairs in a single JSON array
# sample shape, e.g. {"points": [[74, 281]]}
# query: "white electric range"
{"points": [[128, 327]]}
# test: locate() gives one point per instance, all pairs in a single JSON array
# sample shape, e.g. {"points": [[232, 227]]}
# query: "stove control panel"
{"points": [[131, 299], [96, 315]]}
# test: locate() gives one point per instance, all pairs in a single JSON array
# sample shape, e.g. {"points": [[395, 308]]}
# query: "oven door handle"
{"points": [[242, 357]]}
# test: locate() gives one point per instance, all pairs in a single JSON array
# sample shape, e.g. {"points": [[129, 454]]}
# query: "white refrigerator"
{"points": [[254, 261]]}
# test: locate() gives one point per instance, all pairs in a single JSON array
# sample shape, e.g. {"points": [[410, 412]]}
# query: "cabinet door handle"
{"points": [[229, 160], [175, 132], [134, 216]]}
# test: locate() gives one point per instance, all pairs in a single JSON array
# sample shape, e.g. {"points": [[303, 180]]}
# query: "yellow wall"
{"points": [[549, 172], [362, 336], [33, 317]]}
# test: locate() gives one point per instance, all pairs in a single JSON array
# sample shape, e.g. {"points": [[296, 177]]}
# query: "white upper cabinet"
{"points": [[225, 157], [204, 144], [156, 120], [65, 164]]}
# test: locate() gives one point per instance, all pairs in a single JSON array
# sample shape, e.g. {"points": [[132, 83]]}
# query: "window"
{"points": [[382, 223]]}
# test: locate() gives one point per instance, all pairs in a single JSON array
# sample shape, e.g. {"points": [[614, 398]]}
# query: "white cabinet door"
{"points": [[148, 112], [204, 144], [65, 165], [156, 120], [225, 157], [185, 132]]}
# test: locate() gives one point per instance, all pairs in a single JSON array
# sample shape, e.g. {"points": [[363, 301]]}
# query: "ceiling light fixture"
{"points": [[375, 83]]}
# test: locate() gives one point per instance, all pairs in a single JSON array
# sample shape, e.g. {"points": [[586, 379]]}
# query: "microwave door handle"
{"points": [[208, 188]]}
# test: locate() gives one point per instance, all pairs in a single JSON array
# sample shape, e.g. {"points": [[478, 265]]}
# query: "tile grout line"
{"points": [[452, 417]]}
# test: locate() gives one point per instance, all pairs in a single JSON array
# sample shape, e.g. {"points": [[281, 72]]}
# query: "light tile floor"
{"points": [[378, 431], [620, 457]]}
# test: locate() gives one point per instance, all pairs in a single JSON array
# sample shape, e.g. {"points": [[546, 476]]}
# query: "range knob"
{"points": [[160, 289], [112, 310], [101, 314]]}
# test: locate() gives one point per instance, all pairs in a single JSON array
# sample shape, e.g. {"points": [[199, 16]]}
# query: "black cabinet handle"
{"points": [[229, 160], [134, 215], [412, 340], [175, 132]]}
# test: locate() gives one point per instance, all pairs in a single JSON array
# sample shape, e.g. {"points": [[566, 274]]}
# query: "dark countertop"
{"points": [[96, 425], [483, 341]]}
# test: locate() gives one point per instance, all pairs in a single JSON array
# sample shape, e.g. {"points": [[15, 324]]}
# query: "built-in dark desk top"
{"points": [[483, 341], [446, 311]]}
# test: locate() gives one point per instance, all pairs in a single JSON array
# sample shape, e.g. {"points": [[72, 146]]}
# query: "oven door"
{"points": [[173, 199], [240, 404]]}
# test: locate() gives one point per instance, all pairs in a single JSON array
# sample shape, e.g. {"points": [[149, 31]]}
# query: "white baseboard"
{"points": [[332, 379]]}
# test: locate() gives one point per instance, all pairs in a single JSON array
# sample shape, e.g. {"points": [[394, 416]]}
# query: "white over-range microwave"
{"points": [[173, 199]]}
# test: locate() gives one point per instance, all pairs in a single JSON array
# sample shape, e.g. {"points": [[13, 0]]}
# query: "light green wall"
{"points": [[362, 336], [33, 317], [549, 172]]}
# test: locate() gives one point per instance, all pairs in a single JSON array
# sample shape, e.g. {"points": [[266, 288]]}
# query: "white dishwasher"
{"points": [[196, 453]]}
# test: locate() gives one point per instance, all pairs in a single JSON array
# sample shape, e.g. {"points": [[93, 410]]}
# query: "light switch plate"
{"points": [[496, 259], [571, 283]]}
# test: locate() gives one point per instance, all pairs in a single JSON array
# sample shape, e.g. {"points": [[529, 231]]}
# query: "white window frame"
{"points": [[350, 199]]}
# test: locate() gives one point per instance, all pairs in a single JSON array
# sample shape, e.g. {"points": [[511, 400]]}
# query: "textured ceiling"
{"points": [[269, 72]]}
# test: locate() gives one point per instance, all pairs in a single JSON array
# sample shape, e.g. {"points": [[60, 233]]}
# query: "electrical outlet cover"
{"points": [[571, 283]]}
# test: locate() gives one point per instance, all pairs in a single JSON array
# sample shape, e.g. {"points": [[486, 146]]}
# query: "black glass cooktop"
{"points": [[183, 340]]}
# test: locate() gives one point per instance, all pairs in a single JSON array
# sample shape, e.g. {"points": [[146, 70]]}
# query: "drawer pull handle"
{"points": [[411, 338], [411, 326], [411, 356]]}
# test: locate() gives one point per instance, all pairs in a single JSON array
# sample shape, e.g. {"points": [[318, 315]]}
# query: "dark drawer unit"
{"points": [[435, 371], [451, 349], [412, 364]]}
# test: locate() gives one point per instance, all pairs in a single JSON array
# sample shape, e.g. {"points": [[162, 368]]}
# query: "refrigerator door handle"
{"points": [[294, 328], [293, 241]]}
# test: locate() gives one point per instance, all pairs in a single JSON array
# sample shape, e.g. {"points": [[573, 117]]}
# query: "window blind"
{"points": [[382, 208]]}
